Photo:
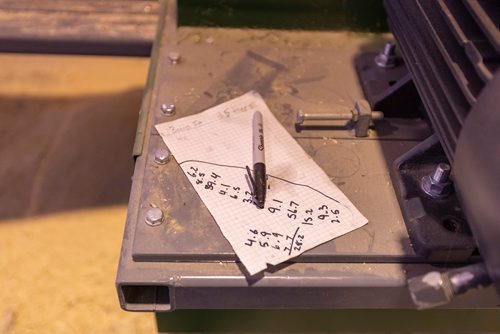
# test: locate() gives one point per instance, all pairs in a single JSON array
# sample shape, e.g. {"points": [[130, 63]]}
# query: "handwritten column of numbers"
{"points": [[208, 180]]}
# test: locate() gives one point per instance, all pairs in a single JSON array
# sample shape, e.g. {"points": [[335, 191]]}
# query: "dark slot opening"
{"points": [[146, 297]]}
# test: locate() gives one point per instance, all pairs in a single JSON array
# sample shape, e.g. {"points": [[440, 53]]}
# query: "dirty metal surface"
{"points": [[186, 263], [292, 71]]}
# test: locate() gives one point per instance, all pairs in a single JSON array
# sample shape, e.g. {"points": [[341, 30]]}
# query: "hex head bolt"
{"points": [[154, 217], [174, 57], [437, 185], [162, 156], [387, 56], [168, 109]]}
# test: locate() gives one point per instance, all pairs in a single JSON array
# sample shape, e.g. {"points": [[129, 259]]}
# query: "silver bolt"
{"points": [[174, 57], [162, 156], [387, 56], [438, 185], [301, 116], [342, 113], [389, 49], [154, 217], [442, 173], [168, 109]]}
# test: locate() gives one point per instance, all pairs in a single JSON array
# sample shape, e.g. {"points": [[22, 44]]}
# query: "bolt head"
{"points": [[168, 109], [442, 173], [434, 188], [162, 156], [385, 61], [387, 56], [438, 184], [174, 57], [300, 117], [154, 217], [389, 49]]}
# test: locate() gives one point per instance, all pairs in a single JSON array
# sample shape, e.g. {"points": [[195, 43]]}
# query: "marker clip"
{"points": [[250, 177]]}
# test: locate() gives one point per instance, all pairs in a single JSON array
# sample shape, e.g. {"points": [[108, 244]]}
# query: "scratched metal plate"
{"points": [[312, 71]]}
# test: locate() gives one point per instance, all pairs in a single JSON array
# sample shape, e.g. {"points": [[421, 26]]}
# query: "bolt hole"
{"points": [[451, 224], [392, 82]]}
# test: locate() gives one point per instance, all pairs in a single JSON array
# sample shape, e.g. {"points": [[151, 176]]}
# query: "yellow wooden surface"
{"points": [[58, 263]]}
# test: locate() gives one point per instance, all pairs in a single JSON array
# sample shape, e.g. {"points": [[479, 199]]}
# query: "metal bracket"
{"points": [[388, 88], [436, 224], [361, 116]]}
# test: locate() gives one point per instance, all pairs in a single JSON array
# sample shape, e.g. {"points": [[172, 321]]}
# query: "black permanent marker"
{"points": [[259, 166]]}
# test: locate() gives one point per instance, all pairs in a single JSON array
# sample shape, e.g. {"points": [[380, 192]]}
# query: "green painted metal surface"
{"points": [[354, 15], [333, 321]]}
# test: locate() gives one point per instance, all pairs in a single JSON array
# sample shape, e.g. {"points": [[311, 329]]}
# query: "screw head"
{"points": [[154, 217], [162, 156], [174, 57], [168, 109]]}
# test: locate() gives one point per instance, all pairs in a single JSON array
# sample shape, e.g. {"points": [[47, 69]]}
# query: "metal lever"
{"points": [[435, 288], [361, 115]]}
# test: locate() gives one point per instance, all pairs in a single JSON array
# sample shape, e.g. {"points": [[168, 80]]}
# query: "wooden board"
{"points": [[114, 27]]}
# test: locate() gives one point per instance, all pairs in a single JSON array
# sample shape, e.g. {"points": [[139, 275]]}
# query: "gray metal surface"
{"points": [[357, 166], [186, 262]]}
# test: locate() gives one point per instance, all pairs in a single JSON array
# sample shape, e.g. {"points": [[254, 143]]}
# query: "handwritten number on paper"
{"points": [[249, 242], [273, 210], [210, 185], [274, 240], [307, 221], [306, 217], [335, 212]]}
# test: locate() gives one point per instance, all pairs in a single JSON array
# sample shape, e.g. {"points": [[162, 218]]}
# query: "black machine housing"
{"points": [[451, 50]]}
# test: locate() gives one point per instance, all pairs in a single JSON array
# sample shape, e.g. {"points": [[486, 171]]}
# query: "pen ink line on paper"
{"points": [[274, 177], [293, 240]]}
